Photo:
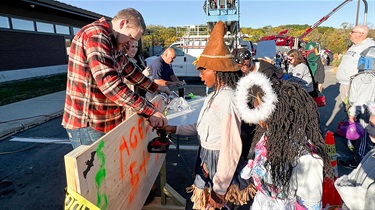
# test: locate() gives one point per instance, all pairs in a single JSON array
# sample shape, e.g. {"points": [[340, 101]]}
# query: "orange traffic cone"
{"points": [[330, 142], [330, 194]]}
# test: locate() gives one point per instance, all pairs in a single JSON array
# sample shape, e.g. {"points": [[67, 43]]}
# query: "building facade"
{"points": [[36, 34]]}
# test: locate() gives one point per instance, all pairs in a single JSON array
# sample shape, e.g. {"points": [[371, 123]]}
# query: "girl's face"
{"points": [[132, 48], [291, 59], [245, 67], [208, 76]]}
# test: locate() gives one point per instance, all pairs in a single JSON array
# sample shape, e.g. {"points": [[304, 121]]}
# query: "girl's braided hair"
{"points": [[292, 129]]}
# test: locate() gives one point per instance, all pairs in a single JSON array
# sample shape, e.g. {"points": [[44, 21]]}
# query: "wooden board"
{"points": [[116, 172]]}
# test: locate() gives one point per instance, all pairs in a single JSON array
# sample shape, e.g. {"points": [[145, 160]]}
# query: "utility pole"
{"points": [[356, 18], [365, 12]]}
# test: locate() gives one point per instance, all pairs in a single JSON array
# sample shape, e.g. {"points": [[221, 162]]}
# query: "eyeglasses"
{"points": [[289, 59], [353, 32]]}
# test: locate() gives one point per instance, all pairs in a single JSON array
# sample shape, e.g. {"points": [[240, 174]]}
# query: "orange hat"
{"points": [[216, 55]]}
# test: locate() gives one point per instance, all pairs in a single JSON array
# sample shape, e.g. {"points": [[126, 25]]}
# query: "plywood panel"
{"points": [[116, 172]]}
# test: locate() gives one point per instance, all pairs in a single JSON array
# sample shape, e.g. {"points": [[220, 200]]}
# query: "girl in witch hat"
{"points": [[217, 180]]}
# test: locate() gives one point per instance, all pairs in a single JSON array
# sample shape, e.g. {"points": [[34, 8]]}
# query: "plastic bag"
{"points": [[177, 105], [352, 130], [320, 100]]}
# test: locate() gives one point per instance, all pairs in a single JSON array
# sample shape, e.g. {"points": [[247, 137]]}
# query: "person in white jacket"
{"points": [[349, 62], [299, 72], [361, 90]]}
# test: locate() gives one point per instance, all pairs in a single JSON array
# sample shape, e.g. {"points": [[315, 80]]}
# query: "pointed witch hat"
{"points": [[216, 55]]}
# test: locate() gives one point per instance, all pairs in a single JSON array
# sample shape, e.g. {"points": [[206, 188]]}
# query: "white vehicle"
{"points": [[188, 49]]}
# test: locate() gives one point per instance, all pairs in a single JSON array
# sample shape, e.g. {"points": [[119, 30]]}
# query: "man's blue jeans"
{"points": [[83, 136]]}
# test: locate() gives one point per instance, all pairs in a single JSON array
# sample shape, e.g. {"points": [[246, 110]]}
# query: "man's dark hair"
{"points": [[133, 16]]}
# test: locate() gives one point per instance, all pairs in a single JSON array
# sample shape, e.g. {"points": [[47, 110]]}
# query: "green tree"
{"points": [[314, 36], [334, 39]]}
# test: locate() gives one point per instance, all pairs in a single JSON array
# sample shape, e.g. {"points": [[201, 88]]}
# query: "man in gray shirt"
{"points": [[349, 62]]}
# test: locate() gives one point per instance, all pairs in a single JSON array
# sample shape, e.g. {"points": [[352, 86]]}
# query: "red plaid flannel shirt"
{"points": [[95, 91]]}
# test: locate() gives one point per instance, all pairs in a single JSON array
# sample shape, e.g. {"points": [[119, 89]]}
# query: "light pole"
{"points": [[356, 17], [365, 13], [148, 32], [152, 43]]}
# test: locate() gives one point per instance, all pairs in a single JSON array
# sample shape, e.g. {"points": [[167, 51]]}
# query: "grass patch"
{"points": [[24, 89]]}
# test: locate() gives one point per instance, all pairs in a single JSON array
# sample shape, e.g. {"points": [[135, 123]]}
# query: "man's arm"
{"points": [[141, 105], [108, 79], [162, 82], [176, 81]]}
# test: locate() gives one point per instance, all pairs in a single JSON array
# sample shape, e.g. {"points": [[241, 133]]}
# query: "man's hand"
{"points": [[164, 89], [177, 83], [158, 120]]}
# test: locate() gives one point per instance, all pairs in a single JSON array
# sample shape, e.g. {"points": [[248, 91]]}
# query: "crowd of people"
{"points": [[261, 145]]}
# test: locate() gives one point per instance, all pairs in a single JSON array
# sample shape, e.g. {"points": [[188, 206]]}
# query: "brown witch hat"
{"points": [[216, 55]]}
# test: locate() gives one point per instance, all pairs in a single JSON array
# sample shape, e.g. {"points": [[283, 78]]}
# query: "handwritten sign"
{"points": [[116, 172]]}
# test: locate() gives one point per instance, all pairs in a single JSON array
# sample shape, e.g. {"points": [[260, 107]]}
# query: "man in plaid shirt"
{"points": [[97, 67]]}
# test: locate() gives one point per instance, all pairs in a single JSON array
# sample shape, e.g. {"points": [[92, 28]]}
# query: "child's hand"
{"points": [[170, 128]]}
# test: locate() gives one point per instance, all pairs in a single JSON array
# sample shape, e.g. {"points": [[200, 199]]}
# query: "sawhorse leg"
{"points": [[167, 190]]}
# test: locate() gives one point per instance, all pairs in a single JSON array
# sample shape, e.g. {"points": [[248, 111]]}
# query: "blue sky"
{"points": [[253, 13]]}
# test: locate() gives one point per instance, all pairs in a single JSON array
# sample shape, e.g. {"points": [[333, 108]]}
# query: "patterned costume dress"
{"points": [[306, 182]]}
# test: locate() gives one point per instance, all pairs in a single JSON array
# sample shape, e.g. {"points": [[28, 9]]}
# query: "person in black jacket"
{"points": [[135, 56]]}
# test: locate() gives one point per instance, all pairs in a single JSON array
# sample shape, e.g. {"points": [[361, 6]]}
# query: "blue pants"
{"points": [[83, 136], [365, 144]]}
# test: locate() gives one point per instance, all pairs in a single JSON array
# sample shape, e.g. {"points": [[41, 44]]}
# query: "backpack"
{"points": [[312, 56], [367, 59], [312, 61], [363, 82], [357, 189]]}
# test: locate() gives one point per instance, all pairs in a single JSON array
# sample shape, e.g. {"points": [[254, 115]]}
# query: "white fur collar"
{"points": [[269, 100]]}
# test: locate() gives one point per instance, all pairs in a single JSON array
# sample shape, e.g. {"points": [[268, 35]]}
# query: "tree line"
{"points": [[334, 39]]}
